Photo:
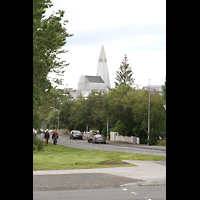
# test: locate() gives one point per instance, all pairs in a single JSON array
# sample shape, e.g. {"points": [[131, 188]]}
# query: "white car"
{"points": [[75, 134]]}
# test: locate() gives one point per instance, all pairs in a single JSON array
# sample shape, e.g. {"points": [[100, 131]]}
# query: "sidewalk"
{"points": [[143, 146], [149, 172]]}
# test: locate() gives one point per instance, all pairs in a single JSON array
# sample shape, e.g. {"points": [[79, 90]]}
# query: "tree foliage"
{"points": [[164, 90], [124, 74], [125, 107], [49, 35]]}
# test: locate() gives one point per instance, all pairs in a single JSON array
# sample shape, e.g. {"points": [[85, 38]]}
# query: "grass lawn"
{"points": [[57, 157]]}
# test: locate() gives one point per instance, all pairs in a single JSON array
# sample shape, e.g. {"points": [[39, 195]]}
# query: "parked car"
{"points": [[91, 134], [75, 134], [99, 139]]}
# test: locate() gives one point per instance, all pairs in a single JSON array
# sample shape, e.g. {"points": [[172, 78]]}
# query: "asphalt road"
{"points": [[130, 193], [78, 181], [109, 146]]}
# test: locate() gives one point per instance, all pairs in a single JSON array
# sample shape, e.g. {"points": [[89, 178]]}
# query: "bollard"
{"points": [[107, 137]]}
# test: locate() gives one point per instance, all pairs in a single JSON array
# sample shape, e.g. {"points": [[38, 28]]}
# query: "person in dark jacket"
{"points": [[46, 136], [55, 137]]}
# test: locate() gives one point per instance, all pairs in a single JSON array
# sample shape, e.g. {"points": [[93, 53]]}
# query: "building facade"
{"points": [[88, 83], [154, 88], [100, 82], [102, 68]]}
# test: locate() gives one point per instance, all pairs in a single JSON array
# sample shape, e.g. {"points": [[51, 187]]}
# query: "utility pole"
{"points": [[107, 129], [149, 83]]}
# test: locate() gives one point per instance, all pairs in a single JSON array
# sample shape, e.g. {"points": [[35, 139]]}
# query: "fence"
{"points": [[114, 136]]}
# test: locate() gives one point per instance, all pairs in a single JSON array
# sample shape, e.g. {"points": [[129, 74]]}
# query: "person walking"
{"points": [[46, 136], [55, 137]]}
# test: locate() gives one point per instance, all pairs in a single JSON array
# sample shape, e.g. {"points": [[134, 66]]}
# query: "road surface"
{"points": [[109, 146], [93, 186], [130, 193]]}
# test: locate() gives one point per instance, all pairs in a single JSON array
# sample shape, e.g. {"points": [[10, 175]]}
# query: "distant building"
{"points": [[154, 88], [102, 68], [88, 83], [100, 82]]}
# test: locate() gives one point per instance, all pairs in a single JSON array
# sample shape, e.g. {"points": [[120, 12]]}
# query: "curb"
{"points": [[145, 183], [157, 148]]}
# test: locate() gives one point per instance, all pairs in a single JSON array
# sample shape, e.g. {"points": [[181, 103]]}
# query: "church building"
{"points": [[100, 82]]}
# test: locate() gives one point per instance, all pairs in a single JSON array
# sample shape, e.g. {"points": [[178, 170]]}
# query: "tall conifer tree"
{"points": [[124, 74]]}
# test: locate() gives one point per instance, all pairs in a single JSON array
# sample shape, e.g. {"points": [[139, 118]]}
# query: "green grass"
{"points": [[57, 157]]}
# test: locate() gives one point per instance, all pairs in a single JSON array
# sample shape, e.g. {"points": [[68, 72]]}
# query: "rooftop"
{"points": [[95, 79]]}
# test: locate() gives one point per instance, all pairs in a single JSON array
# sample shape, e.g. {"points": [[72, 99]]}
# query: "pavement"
{"points": [[146, 172], [143, 146]]}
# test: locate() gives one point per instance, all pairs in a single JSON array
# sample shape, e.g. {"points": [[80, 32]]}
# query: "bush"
{"points": [[153, 140], [34, 147], [40, 145], [162, 143], [37, 144]]}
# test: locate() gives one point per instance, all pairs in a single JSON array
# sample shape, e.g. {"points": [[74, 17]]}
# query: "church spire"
{"points": [[102, 68], [102, 56]]}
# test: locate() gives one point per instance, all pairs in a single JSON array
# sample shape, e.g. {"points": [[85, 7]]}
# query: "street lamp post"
{"points": [[58, 117], [107, 130], [149, 83], [58, 120]]}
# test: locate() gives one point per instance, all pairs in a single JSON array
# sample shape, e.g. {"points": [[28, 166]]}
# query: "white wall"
{"points": [[61, 131], [114, 136]]}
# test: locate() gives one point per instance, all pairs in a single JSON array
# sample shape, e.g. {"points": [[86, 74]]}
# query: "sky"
{"points": [[136, 28]]}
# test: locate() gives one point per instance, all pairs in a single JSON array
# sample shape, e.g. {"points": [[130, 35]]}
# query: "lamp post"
{"points": [[107, 130], [58, 119], [149, 83]]}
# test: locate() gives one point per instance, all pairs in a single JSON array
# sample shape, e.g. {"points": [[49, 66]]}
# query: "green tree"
{"points": [[118, 110], [78, 114], [139, 102], [89, 112], [49, 35], [139, 108], [128, 113], [51, 99], [124, 74], [96, 116], [157, 118], [65, 110], [52, 118], [164, 91]]}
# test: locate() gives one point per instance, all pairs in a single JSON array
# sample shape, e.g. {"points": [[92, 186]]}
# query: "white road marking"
{"points": [[124, 189], [134, 193]]}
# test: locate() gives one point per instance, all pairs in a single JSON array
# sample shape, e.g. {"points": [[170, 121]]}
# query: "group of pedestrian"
{"points": [[54, 136]]}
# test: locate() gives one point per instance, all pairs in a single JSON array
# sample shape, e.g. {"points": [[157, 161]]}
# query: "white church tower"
{"points": [[102, 69]]}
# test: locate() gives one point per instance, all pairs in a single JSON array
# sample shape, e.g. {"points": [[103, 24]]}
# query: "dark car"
{"points": [[76, 134], [99, 139]]}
